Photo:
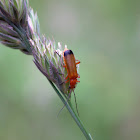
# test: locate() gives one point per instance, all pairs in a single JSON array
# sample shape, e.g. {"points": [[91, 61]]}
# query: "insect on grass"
{"points": [[72, 74]]}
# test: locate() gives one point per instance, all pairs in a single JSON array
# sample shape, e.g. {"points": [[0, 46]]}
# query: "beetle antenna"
{"points": [[64, 104], [60, 110], [76, 103]]}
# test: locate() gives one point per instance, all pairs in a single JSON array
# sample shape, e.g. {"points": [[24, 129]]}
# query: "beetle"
{"points": [[70, 65]]}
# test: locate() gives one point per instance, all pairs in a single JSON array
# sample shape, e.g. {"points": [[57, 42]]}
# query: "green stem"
{"points": [[80, 124], [72, 112]]}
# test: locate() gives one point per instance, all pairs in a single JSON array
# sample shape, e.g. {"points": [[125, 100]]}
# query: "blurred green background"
{"points": [[105, 37]]}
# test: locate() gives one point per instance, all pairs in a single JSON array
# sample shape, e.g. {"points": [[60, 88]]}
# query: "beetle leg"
{"points": [[66, 77], [67, 81], [64, 82], [64, 66], [78, 62]]}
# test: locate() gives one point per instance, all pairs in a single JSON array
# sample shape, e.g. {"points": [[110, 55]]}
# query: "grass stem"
{"points": [[72, 112]]}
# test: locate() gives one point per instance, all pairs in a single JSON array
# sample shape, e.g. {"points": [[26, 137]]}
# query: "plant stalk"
{"points": [[72, 112]]}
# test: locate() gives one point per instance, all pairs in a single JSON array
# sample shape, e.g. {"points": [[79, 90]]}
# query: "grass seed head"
{"points": [[20, 29], [50, 62]]}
